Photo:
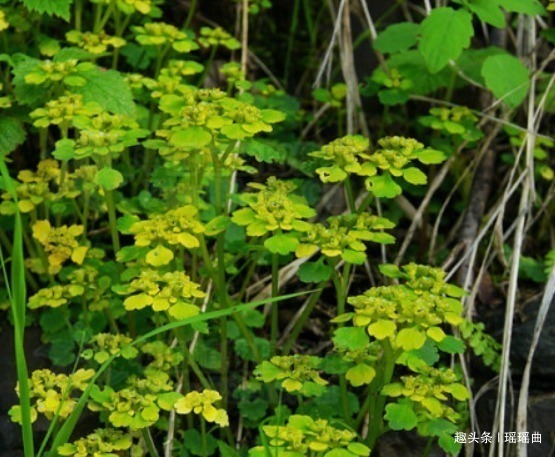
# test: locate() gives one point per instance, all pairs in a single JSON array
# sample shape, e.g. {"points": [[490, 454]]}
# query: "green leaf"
{"points": [[360, 374], [449, 445], [108, 89], [397, 38], [390, 270], [192, 441], [445, 33], [382, 329], [411, 338], [471, 61], [507, 77], [227, 451], [531, 7], [358, 449], [414, 176], [244, 351], [191, 138], [108, 178], [401, 416], [316, 272], [383, 186], [488, 11], [51, 7], [11, 136], [159, 256], [281, 244], [208, 357], [262, 151], [451, 345], [430, 156], [351, 338]]}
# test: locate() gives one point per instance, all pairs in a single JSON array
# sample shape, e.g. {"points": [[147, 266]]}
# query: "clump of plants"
{"points": [[160, 229]]}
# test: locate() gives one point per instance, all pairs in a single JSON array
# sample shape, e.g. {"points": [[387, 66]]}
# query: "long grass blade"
{"points": [[18, 298]]}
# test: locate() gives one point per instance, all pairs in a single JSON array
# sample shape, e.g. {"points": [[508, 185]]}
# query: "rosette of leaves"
{"points": [[393, 159], [95, 43], [173, 292], [275, 211], [177, 227], [102, 136], [202, 404], [137, 405], [105, 345], [51, 393], [179, 69], [303, 435], [424, 403], [164, 358], [458, 121], [162, 34], [60, 244], [102, 442], [392, 87], [214, 37], [408, 314], [296, 373], [344, 237]]}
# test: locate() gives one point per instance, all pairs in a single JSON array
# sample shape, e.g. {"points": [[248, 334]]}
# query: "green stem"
{"points": [[291, 41], [275, 310], [350, 196], [203, 434], [147, 437], [109, 196], [191, 14]]}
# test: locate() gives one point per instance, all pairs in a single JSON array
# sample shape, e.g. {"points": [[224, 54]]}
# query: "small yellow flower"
{"points": [[201, 403], [94, 43], [4, 24]]}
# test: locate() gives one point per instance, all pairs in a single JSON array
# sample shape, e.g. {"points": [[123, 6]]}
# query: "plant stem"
{"points": [[275, 310], [203, 433], [350, 196], [109, 195]]}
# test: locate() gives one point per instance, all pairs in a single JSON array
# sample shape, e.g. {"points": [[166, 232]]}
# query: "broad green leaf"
{"points": [[507, 77], [351, 338], [358, 449], [108, 89], [108, 178], [382, 329], [458, 391], [451, 345], [314, 272], [354, 257], [397, 38], [11, 134], [488, 11], [390, 270], [411, 338], [436, 333], [531, 7], [445, 33], [449, 445], [191, 138], [383, 186], [51, 7], [281, 244], [360, 375], [159, 256], [262, 151], [400, 416], [414, 176], [430, 156]]}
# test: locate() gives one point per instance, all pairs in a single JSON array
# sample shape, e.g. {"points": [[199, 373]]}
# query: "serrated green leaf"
{"points": [[351, 338], [11, 134], [400, 416], [531, 7], [360, 375], [108, 89], [488, 11], [397, 38], [51, 7], [451, 345], [108, 178], [281, 244], [507, 77], [445, 33]]}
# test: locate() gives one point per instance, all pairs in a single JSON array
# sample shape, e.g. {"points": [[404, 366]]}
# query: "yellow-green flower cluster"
{"points": [[177, 69], [103, 442], [345, 236], [63, 110], [202, 404], [303, 435], [60, 244], [36, 187], [234, 76], [429, 389], [95, 43], [273, 208], [362, 371], [178, 227], [173, 292], [51, 393], [96, 288], [102, 135], [408, 314], [297, 373], [217, 37], [48, 72], [164, 357], [458, 120], [348, 155], [55, 296], [105, 345], [5, 100], [160, 33], [135, 406]]}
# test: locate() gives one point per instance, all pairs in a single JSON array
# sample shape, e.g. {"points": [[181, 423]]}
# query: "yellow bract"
{"points": [[201, 403]]}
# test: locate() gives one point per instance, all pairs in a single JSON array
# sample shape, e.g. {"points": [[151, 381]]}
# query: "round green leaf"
{"points": [[108, 178]]}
